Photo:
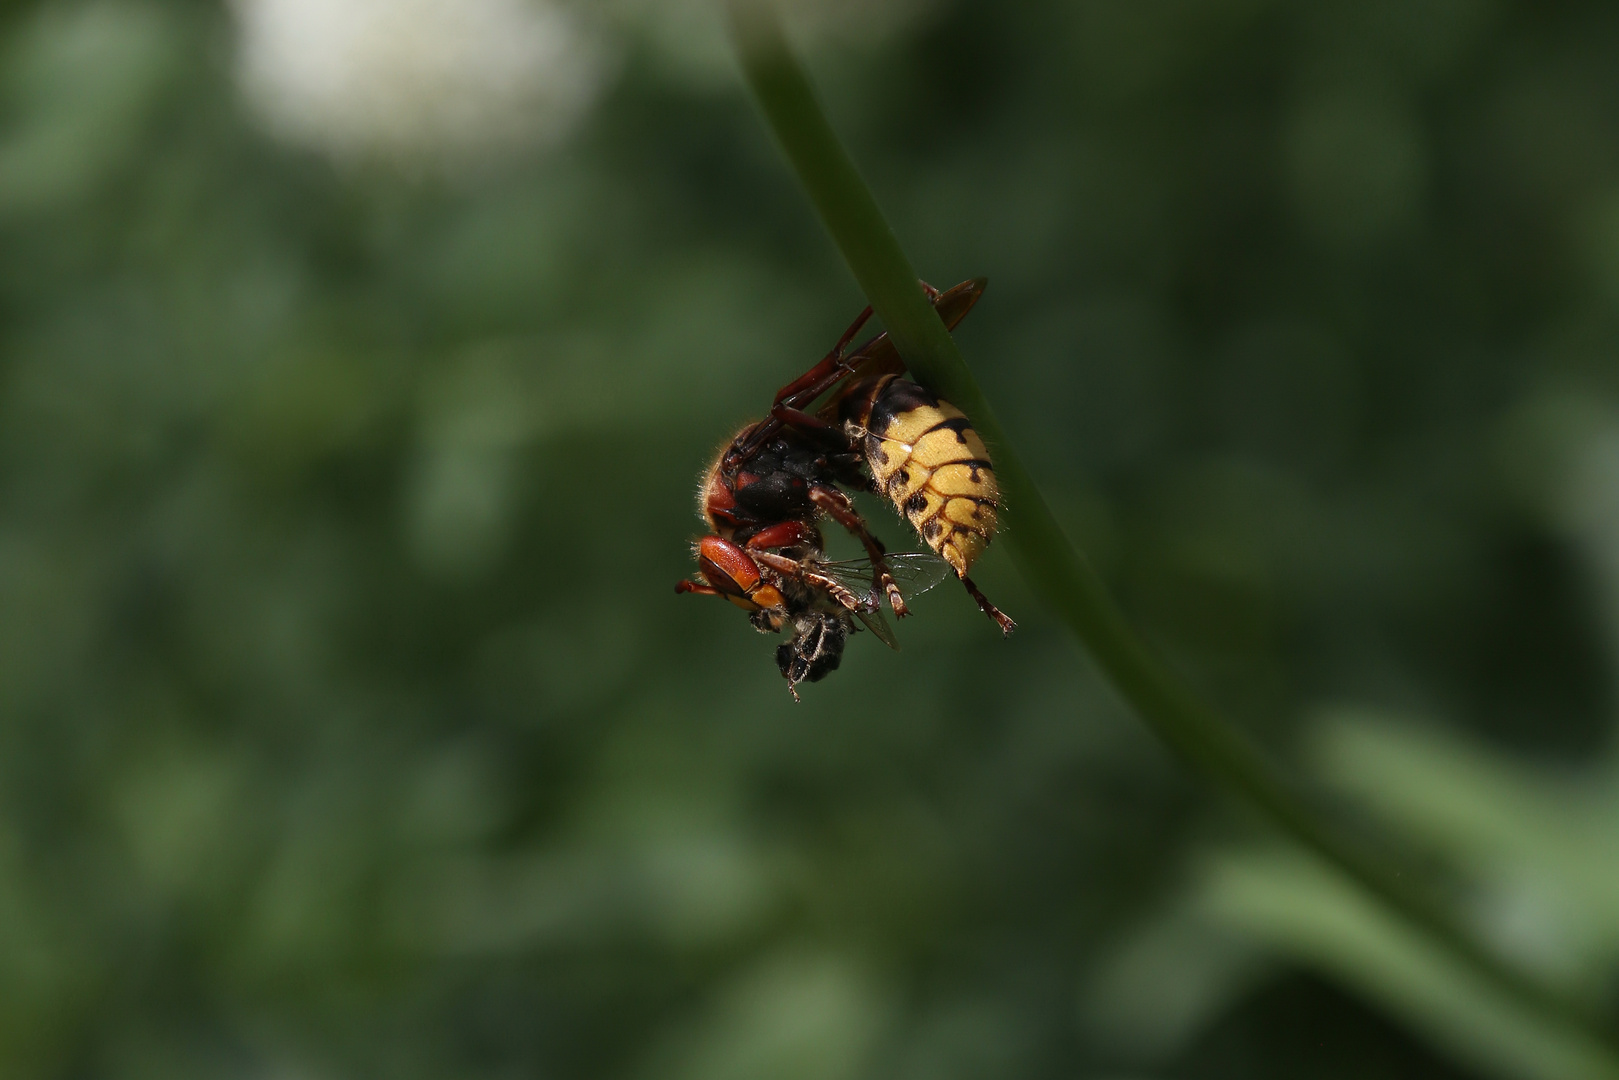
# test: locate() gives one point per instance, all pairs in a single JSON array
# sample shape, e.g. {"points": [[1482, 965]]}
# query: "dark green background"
{"points": [[350, 727]]}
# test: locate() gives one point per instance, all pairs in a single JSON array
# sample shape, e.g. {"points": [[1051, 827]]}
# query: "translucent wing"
{"points": [[917, 571], [879, 356], [914, 571], [879, 626]]}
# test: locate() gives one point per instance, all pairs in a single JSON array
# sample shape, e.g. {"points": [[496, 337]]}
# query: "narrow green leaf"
{"points": [[1050, 563]]}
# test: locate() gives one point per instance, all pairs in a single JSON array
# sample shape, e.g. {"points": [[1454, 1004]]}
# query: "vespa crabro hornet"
{"points": [[765, 493]]}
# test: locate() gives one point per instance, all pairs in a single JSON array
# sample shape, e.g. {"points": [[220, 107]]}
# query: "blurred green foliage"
{"points": [[349, 724]]}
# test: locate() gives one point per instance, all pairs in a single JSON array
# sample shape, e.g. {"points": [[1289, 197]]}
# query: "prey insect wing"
{"points": [[879, 627], [914, 571], [918, 571]]}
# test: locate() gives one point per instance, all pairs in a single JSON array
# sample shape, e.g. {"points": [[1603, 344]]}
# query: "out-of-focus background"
{"points": [[357, 361]]}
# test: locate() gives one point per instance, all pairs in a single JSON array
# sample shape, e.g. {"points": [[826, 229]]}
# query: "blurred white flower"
{"points": [[417, 80]]}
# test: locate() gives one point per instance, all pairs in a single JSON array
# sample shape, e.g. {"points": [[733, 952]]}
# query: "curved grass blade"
{"points": [[1049, 561]]}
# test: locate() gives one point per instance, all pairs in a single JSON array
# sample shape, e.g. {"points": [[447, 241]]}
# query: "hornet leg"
{"points": [[797, 393], [838, 507], [829, 436], [802, 390], [1006, 624], [793, 568]]}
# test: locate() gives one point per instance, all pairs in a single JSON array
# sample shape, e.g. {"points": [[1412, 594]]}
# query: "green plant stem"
{"points": [[1049, 561]]}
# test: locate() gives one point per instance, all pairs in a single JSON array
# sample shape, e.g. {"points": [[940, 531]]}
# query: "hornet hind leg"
{"points": [[1000, 617]]}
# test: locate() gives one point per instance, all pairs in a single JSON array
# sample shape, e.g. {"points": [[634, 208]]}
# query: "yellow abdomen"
{"points": [[926, 457]]}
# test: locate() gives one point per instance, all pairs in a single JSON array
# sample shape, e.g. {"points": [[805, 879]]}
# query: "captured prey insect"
{"points": [[766, 492], [817, 600]]}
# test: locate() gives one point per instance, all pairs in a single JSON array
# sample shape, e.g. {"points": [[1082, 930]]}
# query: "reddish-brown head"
{"points": [[716, 500]]}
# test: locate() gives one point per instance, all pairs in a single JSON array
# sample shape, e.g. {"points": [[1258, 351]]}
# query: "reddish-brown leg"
{"points": [[839, 363], [828, 435], [684, 586], [1006, 624], [793, 568], [794, 393], [785, 534], [801, 391], [838, 507]]}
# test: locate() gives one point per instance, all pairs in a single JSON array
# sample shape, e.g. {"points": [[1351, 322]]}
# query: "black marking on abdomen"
{"points": [[981, 500], [895, 400], [958, 424], [972, 463], [874, 449]]}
